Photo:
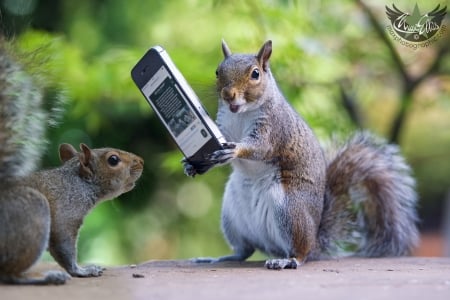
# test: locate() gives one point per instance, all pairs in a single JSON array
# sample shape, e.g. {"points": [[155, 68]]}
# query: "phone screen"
{"points": [[165, 95]]}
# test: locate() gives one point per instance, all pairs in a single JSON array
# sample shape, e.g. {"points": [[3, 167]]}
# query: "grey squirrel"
{"points": [[47, 208], [290, 199]]}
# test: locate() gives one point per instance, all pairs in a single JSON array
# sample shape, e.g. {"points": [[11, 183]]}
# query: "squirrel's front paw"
{"points": [[88, 271], [189, 169], [225, 155]]}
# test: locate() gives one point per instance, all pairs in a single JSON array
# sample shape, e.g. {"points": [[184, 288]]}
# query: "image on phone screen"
{"points": [[174, 110]]}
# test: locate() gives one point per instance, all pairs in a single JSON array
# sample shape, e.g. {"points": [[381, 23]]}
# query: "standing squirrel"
{"points": [[46, 208], [285, 197]]}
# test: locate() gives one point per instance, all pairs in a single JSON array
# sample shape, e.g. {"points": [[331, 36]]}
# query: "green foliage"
{"points": [[91, 47]]}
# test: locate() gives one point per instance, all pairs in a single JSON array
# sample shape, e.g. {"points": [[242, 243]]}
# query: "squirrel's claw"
{"points": [[189, 169], [229, 145], [218, 157], [225, 155]]}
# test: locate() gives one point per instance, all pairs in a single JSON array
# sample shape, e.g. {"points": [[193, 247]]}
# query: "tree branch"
{"points": [[409, 83], [350, 104], [382, 34]]}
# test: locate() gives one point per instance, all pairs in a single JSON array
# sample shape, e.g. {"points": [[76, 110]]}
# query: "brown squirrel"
{"points": [[285, 197], [46, 208]]}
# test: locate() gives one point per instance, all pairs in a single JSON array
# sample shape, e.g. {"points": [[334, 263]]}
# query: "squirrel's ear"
{"points": [[226, 51], [85, 157], [66, 152], [264, 55]]}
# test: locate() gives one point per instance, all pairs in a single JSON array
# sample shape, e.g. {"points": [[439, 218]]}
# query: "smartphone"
{"points": [[178, 107]]}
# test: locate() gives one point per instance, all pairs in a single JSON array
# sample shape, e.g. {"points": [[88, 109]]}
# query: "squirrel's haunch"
{"points": [[21, 246]]}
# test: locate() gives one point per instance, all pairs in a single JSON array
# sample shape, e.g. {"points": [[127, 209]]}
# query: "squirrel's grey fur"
{"points": [[46, 208], [285, 197], [23, 121]]}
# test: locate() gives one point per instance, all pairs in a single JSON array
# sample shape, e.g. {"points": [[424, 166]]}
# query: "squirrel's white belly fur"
{"points": [[252, 194], [252, 203]]}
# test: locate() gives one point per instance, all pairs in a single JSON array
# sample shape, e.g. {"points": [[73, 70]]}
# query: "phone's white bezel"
{"points": [[191, 95], [191, 100]]}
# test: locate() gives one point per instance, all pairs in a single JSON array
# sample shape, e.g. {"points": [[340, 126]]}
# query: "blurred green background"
{"points": [[324, 52]]}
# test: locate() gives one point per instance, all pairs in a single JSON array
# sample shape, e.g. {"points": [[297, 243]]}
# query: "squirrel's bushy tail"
{"points": [[370, 203], [22, 120]]}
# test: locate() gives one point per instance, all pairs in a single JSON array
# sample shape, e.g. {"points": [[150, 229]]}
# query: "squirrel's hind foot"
{"points": [[87, 271], [282, 263], [51, 278], [56, 277]]}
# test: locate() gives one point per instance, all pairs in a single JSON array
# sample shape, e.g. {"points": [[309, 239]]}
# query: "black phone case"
{"points": [[142, 73]]}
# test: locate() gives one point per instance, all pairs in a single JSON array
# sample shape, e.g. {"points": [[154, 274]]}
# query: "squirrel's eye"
{"points": [[113, 160], [255, 74], [217, 73]]}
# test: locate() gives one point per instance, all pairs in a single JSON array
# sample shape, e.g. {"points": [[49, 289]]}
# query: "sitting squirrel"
{"points": [[46, 208], [284, 197]]}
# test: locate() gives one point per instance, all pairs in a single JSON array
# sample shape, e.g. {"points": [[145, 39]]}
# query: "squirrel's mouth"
{"points": [[234, 108]]}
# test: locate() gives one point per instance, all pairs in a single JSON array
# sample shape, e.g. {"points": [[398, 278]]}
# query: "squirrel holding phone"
{"points": [[289, 199], [47, 208]]}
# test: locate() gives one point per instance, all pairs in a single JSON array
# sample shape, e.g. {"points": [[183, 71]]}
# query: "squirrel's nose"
{"points": [[228, 94], [139, 161]]}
